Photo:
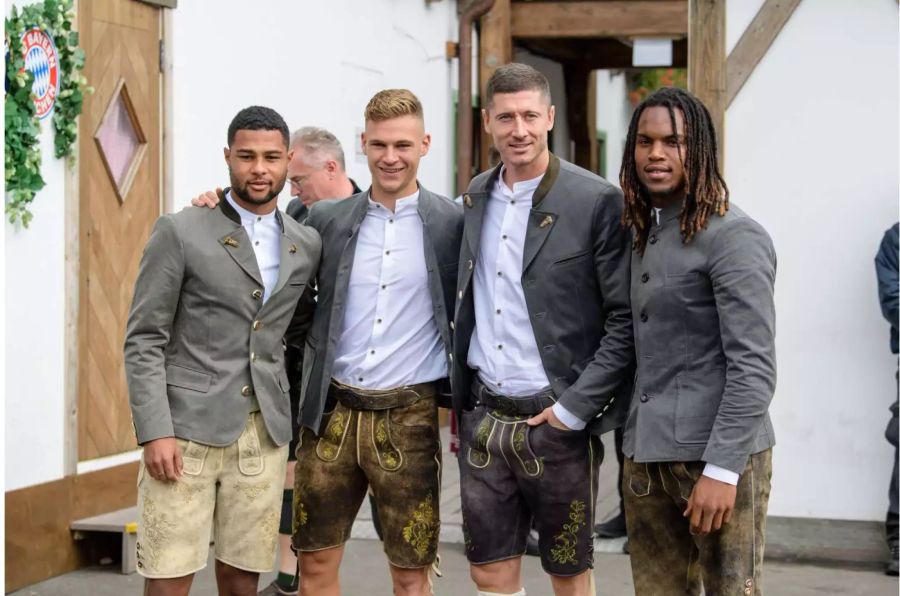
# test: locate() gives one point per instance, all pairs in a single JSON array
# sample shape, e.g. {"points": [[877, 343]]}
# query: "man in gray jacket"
{"points": [[542, 344], [698, 437], [375, 359], [217, 291]]}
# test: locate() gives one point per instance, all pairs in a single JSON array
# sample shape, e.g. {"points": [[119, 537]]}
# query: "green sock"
{"points": [[287, 581]]}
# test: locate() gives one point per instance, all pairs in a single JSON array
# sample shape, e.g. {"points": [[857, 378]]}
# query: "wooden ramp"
{"points": [[124, 522]]}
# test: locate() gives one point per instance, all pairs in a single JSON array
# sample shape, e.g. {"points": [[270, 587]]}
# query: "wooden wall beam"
{"points": [[755, 42], [495, 49], [581, 111], [706, 60], [647, 18], [597, 54]]}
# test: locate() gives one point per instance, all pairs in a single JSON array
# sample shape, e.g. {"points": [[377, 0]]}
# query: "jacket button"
{"points": [[246, 390], [653, 239], [645, 277], [460, 294], [452, 326], [257, 325], [644, 317], [470, 264], [252, 356], [256, 294], [645, 398]]}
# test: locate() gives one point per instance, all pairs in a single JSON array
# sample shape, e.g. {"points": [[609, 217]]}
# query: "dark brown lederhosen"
{"points": [[511, 472], [388, 440], [666, 559]]}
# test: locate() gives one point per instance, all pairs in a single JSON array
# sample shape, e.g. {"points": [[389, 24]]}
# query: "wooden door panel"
{"points": [[121, 38]]}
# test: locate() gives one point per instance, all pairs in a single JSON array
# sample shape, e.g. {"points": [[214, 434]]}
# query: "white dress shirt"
{"points": [[265, 237], [389, 337], [503, 349]]}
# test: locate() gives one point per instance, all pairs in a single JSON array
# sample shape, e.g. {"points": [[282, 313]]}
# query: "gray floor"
{"points": [[364, 573], [364, 570]]}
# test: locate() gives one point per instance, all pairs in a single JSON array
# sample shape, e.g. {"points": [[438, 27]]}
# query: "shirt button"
{"points": [[360, 379], [505, 236], [390, 221], [258, 219], [499, 274], [499, 346], [644, 317], [378, 321], [387, 252], [645, 277], [645, 398], [499, 383], [383, 286], [653, 239], [372, 352], [498, 311], [257, 325], [256, 294], [256, 243], [512, 202]]}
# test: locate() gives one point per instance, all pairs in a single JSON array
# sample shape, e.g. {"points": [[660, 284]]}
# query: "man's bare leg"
{"points": [[319, 572], [176, 586], [235, 582], [287, 562], [410, 582], [575, 585], [500, 577]]}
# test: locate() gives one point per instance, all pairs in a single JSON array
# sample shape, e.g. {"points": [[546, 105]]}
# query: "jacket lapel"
{"points": [[287, 252], [541, 221], [237, 244], [428, 226], [345, 262], [474, 203]]}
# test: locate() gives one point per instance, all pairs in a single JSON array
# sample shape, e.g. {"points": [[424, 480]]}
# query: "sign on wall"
{"points": [[42, 60]]}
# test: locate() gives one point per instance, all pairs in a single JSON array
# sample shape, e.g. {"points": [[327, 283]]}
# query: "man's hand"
{"points": [[163, 459], [209, 199], [549, 417], [710, 505]]}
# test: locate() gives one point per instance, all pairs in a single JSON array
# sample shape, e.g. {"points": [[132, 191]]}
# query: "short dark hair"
{"points": [[258, 118], [515, 77]]}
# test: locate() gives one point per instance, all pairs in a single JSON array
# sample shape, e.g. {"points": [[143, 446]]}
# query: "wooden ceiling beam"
{"points": [[596, 54], [635, 18]]}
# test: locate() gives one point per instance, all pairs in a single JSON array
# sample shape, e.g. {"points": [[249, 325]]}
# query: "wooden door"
{"points": [[119, 188]]}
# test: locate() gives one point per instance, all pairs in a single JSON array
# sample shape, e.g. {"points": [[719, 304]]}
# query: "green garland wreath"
{"points": [[23, 151]]}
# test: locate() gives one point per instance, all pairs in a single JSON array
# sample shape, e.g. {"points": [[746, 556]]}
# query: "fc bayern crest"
{"points": [[42, 60]]}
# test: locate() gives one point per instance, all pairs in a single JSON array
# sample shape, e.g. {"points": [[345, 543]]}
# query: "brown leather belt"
{"points": [[525, 405], [357, 398]]}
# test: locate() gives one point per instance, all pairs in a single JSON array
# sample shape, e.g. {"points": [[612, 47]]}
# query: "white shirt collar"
{"points": [[403, 204], [249, 216], [521, 186]]}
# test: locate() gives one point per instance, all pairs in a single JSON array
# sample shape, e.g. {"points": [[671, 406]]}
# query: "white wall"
{"points": [[34, 330], [317, 64], [554, 72], [613, 115], [811, 153]]}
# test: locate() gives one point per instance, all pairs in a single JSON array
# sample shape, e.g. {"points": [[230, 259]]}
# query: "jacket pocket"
{"points": [[698, 397], [684, 279], [567, 260], [188, 378]]}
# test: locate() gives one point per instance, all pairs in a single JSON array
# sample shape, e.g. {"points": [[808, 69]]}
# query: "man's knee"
{"points": [[501, 576], [410, 581], [320, 563]]}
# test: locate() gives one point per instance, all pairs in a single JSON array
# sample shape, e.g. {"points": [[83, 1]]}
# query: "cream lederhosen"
{"points": [[237, 490]]}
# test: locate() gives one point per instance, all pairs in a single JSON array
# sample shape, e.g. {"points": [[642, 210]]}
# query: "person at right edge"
{"points": [[698, 436], [886, 268]]}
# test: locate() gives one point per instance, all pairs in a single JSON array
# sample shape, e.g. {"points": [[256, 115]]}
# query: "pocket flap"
{"points": [[195, 380]]}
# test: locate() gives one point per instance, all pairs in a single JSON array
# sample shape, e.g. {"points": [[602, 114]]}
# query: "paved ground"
{"points": [[364, 573]]}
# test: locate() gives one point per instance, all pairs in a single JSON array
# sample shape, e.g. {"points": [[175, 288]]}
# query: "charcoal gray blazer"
{"points": [[704, 329], [575, 278], [338, 222], [201, 348]]}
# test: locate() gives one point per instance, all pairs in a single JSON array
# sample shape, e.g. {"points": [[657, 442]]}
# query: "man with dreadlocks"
{"points": [[698, 436]]}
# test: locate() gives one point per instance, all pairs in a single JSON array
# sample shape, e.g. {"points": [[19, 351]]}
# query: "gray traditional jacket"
{"points": [[338, 222], [575, 281], [201, 348], [704, 329]]}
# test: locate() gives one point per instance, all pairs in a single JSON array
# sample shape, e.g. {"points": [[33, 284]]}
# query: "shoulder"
{"points": [[446, 207], [479, 183], [737, 230], [578, 176], [326, 210]]}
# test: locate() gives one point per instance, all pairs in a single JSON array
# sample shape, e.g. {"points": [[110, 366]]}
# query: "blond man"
{"points": [[376, 357]]}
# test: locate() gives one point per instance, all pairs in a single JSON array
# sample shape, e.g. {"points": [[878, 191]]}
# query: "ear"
{"points": [[426, 143], [290, 155], [551, 116], [486, 120], [362, 140], [330, 166], [227, 152]]}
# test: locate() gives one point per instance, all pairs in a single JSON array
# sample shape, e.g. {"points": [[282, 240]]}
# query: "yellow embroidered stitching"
{"points": [[567, 540], [419, 531]]}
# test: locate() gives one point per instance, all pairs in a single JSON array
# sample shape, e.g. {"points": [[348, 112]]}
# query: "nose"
{"points": [[259, 167], [656, 151], [390, 155], [519, 129]]}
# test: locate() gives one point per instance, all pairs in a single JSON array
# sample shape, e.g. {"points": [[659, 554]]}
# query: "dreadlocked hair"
{"points": [[705, 190]]}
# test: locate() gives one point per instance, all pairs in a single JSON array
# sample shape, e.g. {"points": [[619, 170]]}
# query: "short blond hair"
{"points": [[393, 103]]}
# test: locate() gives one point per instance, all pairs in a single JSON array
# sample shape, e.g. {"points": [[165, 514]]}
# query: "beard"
{"points": [[241, 191]]}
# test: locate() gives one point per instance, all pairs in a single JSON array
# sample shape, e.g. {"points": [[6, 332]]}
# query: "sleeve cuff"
{"points": [[568, 418], [720, 474]]}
